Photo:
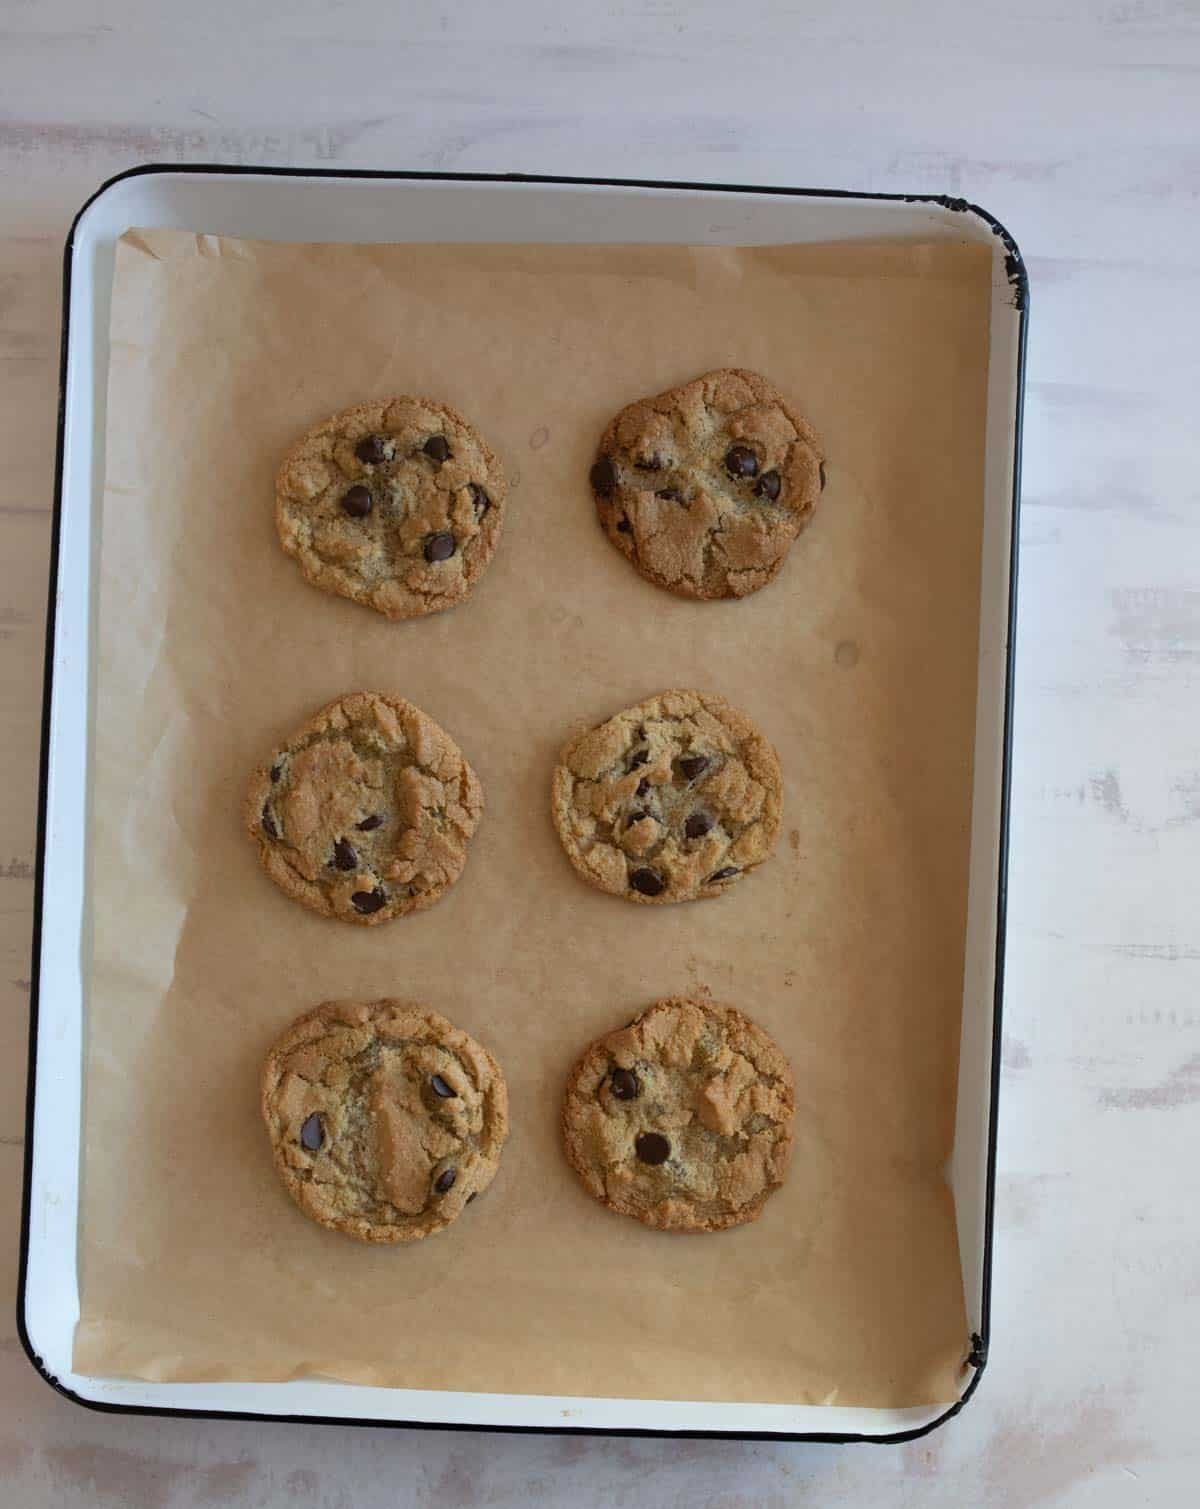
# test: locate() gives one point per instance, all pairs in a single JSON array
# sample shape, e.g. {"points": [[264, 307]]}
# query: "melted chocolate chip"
{"points": [[357, 501], [437, 449], [441, 1088], [822, 476], [740, 461], [649, 463], [371, 450], [312, 1132], [652, 1147], [445, 1180], [369, 824], [638, 816], [643, 785], [276, 772], [480, 499], [693, 765], [625, 1084], [367, 902], [638, 759], [697, 825], [648, 882], [604, 477], [269, 825], [669, 495], [624, 526], [726, 874], [440, 546], [345, 856], [767, 486]]}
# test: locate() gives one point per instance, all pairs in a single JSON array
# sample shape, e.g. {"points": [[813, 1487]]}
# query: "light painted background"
{"points": [[1077, 122]]}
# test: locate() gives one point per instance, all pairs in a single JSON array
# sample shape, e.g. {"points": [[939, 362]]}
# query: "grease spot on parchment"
{"points": [[539, 438], [846, 655]]}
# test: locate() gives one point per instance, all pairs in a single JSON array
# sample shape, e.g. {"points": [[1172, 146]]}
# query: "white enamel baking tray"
{"points": [[278, 204]]}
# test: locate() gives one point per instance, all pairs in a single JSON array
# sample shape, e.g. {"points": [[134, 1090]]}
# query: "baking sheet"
{"points": [[859, 662]]}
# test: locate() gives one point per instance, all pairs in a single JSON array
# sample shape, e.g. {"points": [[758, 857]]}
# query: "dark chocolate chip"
{"points": [[345, 856], [767, 486], [740, 461], [312, 1132], [726, 874], [371, 450], [643, 785], [268, 823], [357, 501], [822, 476], [474, 1195], [625, 1084], [445, 1180], [649, 463], [367, 902], [442, 1089], [368, 824], [437, 449], [648, 882], [440, 546], [697, 825], [693, 765], [624, 526], [669, 495], [638, 759], [638, 816], [480, 499], [604, 477], [276, 772], [652, 1147]]}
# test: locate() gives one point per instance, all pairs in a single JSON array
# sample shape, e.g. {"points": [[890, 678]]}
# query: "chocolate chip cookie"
{"points": [[676, 798], [683, 1119], [396, 504], [704, 487], [366, 812], [384, 1119]]}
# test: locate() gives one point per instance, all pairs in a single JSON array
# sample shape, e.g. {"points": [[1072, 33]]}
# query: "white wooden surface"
{"points": [[1077, 122]]}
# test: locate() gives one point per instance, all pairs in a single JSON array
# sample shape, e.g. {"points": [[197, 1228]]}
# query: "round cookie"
{"points": [[384, 1118], [704, 487], [677, 798], [683, 1119], [366, 812], [396, 504]]}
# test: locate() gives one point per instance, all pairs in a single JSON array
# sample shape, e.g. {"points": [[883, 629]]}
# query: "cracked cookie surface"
{"points": [[396, 504], [366, 812], [704, 487], [683, 1119], [385, 1120], [675, 799]]}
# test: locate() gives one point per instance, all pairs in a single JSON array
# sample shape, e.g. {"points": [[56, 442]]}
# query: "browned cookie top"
{"points": [[384, 1119], [365, 813], [683, 1119], [396, 503], [704, 487], [674, 799]]}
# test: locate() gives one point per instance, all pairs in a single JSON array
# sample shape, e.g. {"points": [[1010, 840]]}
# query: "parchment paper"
{"points": [[859, 662]]}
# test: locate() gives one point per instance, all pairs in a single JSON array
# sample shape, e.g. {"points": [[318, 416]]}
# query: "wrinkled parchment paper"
{"points": [[859, 662]]}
